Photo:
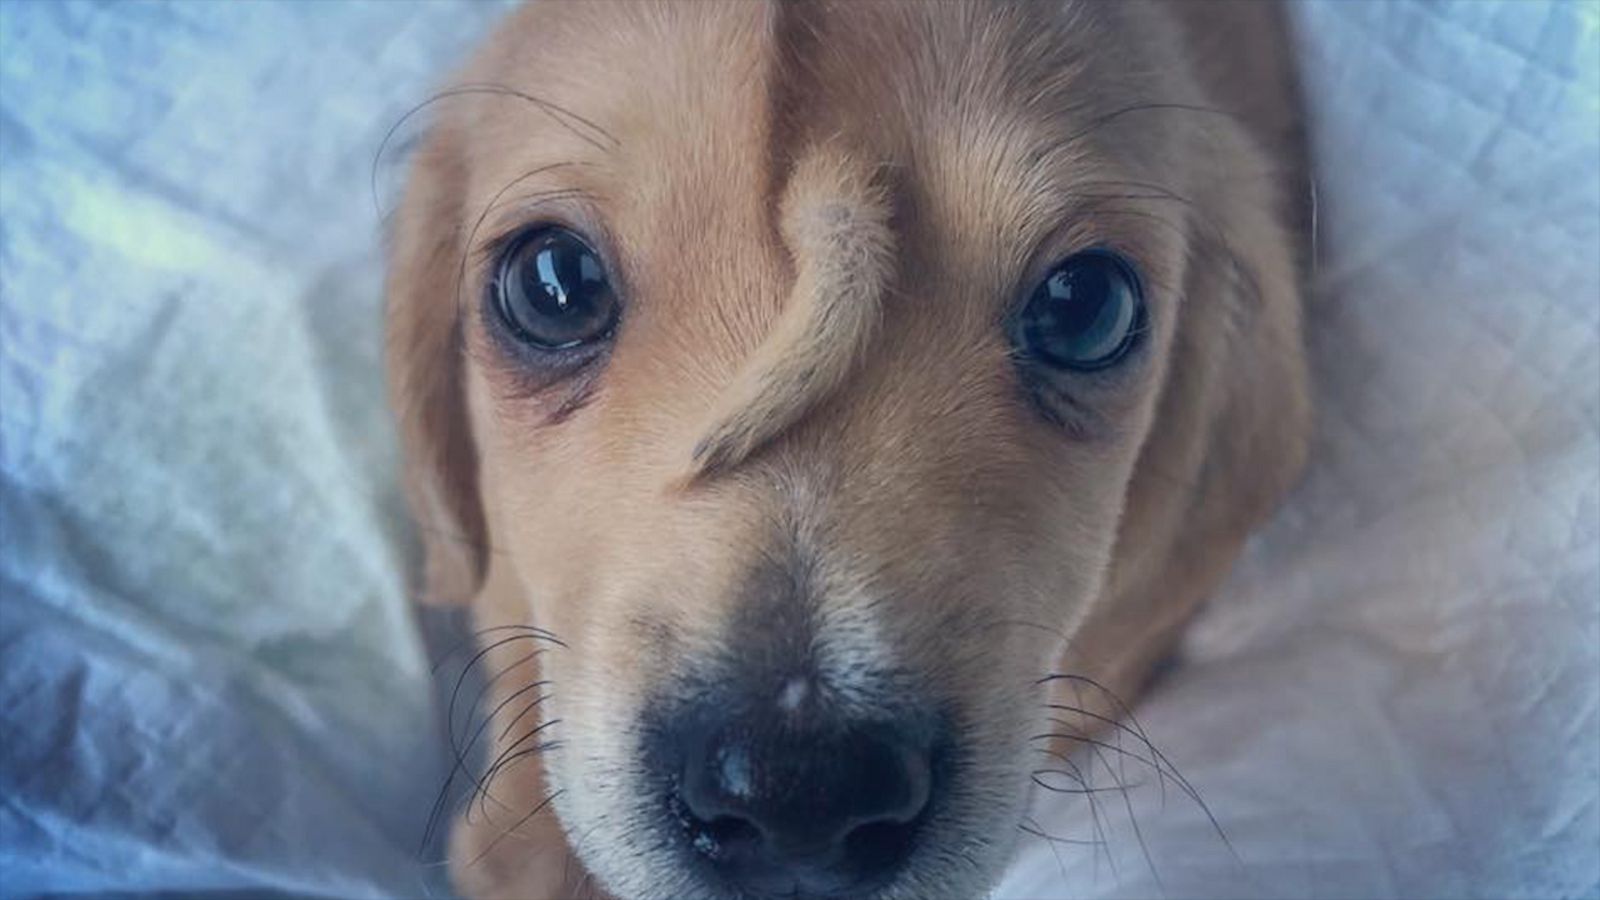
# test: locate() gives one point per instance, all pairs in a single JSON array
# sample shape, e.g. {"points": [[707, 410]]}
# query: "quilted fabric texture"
{"points": [[209, 676], [1396, 694]]}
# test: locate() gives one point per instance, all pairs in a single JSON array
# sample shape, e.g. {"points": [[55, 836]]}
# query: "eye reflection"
{"points": [[1086, 314], [552, 291]]}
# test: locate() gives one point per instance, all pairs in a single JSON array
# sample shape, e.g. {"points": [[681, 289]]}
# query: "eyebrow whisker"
{"points": [[598, 137]]}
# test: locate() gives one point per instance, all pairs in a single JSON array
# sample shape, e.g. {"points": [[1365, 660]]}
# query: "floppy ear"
{"points": [[1228, 441], [425, 363]]}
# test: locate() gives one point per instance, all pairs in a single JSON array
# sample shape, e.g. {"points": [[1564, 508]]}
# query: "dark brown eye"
{"points": [[552, 292], [1086, 314]]}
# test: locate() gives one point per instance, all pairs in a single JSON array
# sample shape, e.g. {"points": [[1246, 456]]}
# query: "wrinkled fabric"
{"points": [[1395, 695], [210, 674]]}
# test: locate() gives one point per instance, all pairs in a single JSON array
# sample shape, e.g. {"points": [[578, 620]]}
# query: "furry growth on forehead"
{"points": [[835, 225]]}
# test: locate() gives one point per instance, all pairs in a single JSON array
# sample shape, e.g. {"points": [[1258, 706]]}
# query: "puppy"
{"points": [[807, 396]]}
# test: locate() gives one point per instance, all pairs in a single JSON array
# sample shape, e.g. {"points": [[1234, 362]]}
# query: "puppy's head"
{"points": [[811, 372]]}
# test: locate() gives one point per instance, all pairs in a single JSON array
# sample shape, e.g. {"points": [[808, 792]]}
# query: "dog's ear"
{"points": [[1228, 441], [426, 379]]}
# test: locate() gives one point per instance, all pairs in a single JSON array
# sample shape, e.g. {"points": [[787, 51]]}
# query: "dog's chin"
{"points": [[635, 844]]}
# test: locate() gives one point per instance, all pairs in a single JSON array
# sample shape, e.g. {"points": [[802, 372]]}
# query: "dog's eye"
{"points": [[551, 291], [1086, 314]]}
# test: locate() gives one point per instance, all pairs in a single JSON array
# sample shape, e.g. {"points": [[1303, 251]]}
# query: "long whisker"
{"points": [[525, 710], [1032, 827], [1107, 118], [599, 138], [459, 764], [505, 758], [458, 767], [1036, 777], [1120, 728], [455, 693], [1076, 737], [1096, 818], [544, 804], [472, 236], [1127, 805], [1096, 747], [1061, 865], [1124, 710], [1218, 236], [530, 630], [489, 718], [1100, 751], [507, 761]]}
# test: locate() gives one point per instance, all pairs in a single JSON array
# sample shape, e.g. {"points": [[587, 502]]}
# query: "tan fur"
{"points": [[836, 225], [819, 216]]}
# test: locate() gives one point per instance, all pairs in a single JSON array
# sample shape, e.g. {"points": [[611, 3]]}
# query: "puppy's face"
{"points": [[795, 366]]}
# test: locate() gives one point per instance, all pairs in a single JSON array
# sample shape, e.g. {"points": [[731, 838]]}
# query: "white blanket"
{"points": [[209, 674]]}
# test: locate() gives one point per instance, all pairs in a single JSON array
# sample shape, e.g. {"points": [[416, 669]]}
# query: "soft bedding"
{"points": [[210, 675]]}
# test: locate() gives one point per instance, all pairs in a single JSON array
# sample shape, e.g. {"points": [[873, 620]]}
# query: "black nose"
{"points": [[783, 807]]}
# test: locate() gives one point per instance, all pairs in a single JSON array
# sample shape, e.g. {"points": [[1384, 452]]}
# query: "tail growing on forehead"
{"points": [[835, 222]]}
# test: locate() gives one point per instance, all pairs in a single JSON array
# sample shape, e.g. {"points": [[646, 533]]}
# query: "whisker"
{"points": [[505, 763], [1120, 778], [1217, 242], [1107, 118], [532, 631], [488, 719], [460, 753], [543, 804], [1038, 832], [1049, 841], [1028, 623], [1100, 749], [1119, 729], [518, 717], [1133, 818], [459, 764], [1096, 818], [455, 693], [1132, 726], [505, 757], [1088, 741], [1216, 233], [1124, 710], [472, 236], [1092, 742], [1035, 776], [553, 110]]}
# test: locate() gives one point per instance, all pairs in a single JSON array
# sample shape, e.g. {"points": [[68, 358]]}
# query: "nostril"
{"points": [[715, 834], [820, 809], [729, 831], [879, 845]]}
